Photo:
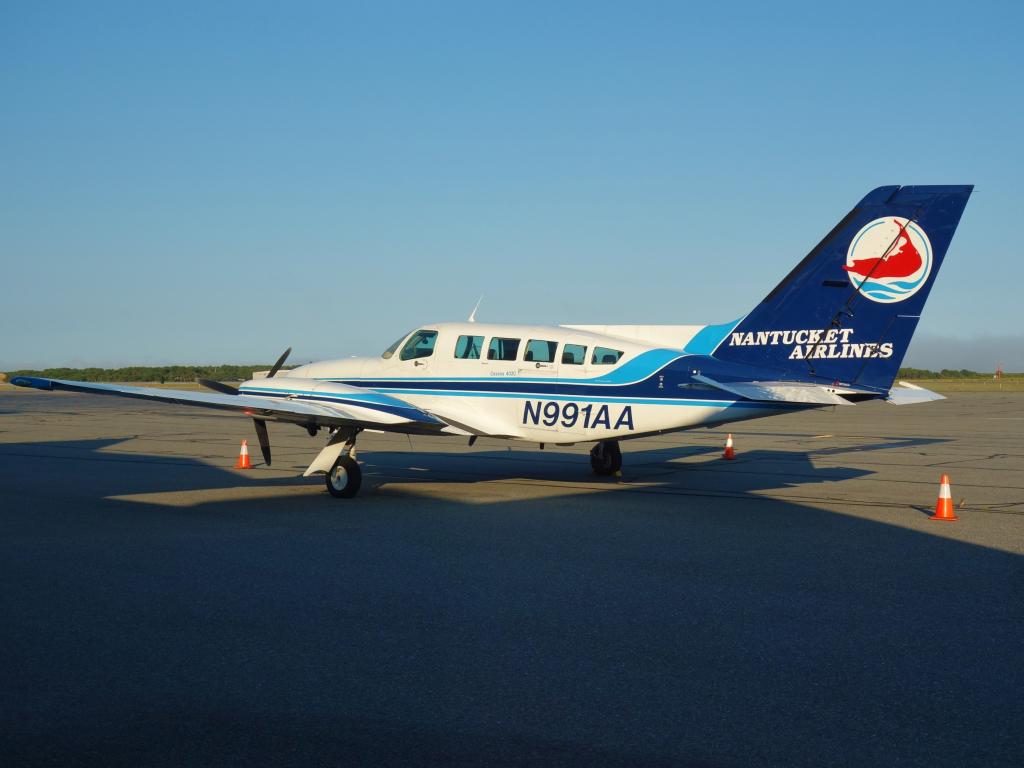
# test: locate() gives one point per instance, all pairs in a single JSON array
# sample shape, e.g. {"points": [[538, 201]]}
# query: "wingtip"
{"points": [[32, 381]]}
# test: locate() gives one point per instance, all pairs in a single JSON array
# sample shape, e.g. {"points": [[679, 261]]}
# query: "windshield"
{"points": [[394, 347], [420, 344]]}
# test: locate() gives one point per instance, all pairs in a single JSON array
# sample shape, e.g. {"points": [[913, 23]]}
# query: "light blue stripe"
{"points": [[570, 398], [384, 400], [708, 338]]}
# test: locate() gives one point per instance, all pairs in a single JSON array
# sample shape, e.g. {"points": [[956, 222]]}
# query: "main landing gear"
{"points": [[345, 477], [606, 458]]}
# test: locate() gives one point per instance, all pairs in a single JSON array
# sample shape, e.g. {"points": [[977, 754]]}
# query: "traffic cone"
{"points": [[729, 453], [944, 506], [243, 457]]}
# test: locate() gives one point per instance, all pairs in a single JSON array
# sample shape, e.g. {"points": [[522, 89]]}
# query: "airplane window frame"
{"points": [[413, 341], [605, 351], [583, 354], [551, 351], [476, 342], [515, 353]]}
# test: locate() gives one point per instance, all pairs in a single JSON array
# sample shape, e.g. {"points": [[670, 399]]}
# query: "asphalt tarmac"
{"points": [[500, 606]]}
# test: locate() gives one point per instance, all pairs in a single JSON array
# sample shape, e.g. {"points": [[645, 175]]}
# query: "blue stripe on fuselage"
{"points": [[677, 401], [708, 338], [402, 410], [670, 383]]}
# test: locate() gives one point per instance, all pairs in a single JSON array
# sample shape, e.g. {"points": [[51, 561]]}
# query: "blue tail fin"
{"points": [[847, 312]]}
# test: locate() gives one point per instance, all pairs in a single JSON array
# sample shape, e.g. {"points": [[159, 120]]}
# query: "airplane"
{"points": [[833, 332]]}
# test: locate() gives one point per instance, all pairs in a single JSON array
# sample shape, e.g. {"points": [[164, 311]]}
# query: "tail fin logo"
{"points": [[889, 260]]}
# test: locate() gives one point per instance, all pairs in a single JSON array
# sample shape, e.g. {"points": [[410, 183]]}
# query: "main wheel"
{"points": [[606, 458], [344, 479]]}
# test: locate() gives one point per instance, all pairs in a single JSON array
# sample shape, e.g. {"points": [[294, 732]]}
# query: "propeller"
{"points": [[280, 361], [263, 437], [261, 424], [217, 386]]}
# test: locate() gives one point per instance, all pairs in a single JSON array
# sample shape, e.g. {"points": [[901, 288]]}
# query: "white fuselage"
{"points": [[545, 384]]}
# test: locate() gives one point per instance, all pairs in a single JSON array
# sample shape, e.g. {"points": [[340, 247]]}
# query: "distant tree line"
{"points": [[162, 374], [945, 373]]}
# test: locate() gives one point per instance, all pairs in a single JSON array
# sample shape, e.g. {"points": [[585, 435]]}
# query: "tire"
{"points": [[613, 446], [606, 458], [344, 479]]}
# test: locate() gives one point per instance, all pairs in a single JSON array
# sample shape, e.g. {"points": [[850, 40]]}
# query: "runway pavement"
{"points": [[498, 605]]}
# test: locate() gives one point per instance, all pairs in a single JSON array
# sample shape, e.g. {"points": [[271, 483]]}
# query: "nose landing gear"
{"points": [[606, 458], [344, 478]]}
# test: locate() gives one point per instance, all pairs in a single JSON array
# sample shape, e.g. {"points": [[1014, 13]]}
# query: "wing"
{"points": [[298, 401]]}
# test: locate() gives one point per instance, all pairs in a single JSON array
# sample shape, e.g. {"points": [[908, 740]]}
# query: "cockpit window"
{"points": [[605, 356], [420, 344], [388, 353]]}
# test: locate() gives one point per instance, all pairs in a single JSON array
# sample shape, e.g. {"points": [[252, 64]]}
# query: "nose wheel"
{"points": [[606, 458], [345, 478]]}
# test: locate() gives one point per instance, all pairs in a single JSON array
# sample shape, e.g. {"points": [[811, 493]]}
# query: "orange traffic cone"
{"points": [[729, 453], [944, 506], [243, 457]]}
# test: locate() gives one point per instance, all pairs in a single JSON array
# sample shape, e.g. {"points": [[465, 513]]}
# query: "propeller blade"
{"points": [[216, 386], [279, 363], [264, 438]]}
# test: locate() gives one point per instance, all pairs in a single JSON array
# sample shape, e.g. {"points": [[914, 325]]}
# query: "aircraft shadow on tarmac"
{"points": [[96, 466]]}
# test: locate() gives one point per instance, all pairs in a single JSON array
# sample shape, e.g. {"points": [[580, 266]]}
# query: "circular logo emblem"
{"points": [[889, 260]]}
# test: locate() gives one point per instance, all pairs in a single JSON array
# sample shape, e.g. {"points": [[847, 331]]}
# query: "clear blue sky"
{"points": [[213, 182]]}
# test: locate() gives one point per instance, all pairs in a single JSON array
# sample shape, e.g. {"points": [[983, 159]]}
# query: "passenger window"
{"points": [[605, 356], [420, 344], [538, 351], [468, 347], [503, 349], [573, 354]]}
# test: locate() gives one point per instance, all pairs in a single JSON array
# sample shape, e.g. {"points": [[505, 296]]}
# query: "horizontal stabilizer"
{"points": [[784, 391], [911, 394]]}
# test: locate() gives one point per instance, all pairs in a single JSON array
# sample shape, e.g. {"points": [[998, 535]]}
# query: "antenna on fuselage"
{"points": [[472, 315]]}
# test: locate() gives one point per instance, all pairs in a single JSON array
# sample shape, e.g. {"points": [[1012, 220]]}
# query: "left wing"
{"points": [[306, 402]]}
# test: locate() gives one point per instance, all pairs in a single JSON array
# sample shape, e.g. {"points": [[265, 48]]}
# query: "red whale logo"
{"points": [[903, 262]]}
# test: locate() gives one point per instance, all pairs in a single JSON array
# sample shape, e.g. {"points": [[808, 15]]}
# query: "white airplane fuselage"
{"points": [[543, 384]]}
